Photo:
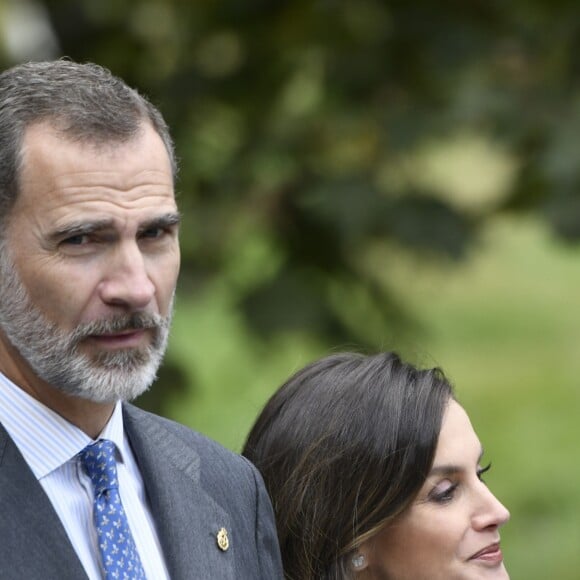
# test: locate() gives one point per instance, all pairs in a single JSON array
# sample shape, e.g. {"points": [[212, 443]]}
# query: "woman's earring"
{"points": [[358, 562]]}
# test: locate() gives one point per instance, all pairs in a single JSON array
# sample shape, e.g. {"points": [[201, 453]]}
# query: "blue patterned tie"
{"points": [[119, 555]]}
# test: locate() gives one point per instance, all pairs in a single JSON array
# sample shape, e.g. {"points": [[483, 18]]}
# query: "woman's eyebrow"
{"points": [[451, 469], [446, 470]]}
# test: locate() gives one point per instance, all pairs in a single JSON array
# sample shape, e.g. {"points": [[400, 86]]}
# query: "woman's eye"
{"points": [[443, 492], [482, 470]]}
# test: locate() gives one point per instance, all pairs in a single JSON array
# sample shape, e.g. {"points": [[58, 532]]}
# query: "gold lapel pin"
{"points": [[222, 539]]}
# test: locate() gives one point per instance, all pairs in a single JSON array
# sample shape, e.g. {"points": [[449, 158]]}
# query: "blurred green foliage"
{"points": [[309, 133], [505, 327], [343, 167]]}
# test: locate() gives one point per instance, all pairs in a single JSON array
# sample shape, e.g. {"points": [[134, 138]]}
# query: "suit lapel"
{"points": [[34, 542], [187, 518]]}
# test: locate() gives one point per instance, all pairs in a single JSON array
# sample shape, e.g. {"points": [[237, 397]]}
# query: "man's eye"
{"points": [[78, 240], [153, 233]]}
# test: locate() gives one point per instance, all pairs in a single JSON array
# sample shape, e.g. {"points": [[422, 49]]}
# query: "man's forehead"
{"points": [[50, 162], [48, 134]]}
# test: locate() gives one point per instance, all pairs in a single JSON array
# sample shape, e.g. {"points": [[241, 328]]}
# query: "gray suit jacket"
{"points": [[195, 488]]}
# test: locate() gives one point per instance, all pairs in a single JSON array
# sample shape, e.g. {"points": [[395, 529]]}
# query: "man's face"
{"points": [[90, 263]]}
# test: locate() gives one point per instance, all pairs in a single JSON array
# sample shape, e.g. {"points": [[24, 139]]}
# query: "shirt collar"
{"points": [[45, 439]]}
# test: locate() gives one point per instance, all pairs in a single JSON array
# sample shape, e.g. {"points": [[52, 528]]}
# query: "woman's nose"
{"points": [[490, 512]]}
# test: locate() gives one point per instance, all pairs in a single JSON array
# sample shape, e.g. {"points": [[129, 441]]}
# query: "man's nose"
{"points": [[126, 282]]}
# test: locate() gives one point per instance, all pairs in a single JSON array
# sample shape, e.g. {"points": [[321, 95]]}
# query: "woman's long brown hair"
{"points": [[344, 447]]}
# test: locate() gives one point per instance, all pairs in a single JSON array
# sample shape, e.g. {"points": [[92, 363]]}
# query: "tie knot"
{"points": [[99, 462]]}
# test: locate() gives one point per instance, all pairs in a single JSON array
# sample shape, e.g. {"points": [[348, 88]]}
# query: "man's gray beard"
{"points": [[54, 354]]}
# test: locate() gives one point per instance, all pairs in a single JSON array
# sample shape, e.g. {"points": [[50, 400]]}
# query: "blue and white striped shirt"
{"points": [[50, 445]]}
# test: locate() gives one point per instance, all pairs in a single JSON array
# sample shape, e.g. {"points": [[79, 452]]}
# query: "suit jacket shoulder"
{"points": [[198, 490], [195, 488], [33, 542]]}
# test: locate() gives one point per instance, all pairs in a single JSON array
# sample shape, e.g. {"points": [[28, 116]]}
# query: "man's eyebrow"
{"points": [[163, 221], [89, 227], [80, 229]]}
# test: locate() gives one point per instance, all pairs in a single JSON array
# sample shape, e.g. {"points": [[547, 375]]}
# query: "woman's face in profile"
{"points": [[451, 531]]}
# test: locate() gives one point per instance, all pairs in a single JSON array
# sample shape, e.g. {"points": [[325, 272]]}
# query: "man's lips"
{"points": [[491, 553], [122, 338]]}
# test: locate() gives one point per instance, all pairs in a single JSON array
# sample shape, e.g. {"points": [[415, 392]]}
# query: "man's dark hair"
{"points": [[83, 102]]}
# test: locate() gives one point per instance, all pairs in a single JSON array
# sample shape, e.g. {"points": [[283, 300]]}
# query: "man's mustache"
{"points": [[129, 322]]}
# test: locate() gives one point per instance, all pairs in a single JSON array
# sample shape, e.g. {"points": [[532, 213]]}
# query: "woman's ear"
{"points": [[358, 561], [362, 560]]}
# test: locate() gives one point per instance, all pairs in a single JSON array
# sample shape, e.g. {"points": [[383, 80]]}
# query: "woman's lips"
{"points": [[491, 553]]}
